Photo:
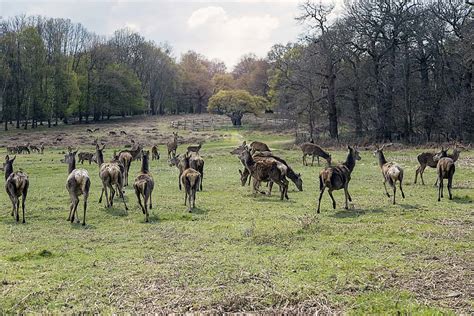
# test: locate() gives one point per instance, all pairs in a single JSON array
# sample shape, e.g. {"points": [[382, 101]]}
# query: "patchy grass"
{"points": [[237, 252]]}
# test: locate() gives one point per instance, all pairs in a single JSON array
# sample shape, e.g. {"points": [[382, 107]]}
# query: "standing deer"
{"points": [[42, 148], [111, 174], [172, 146], [190, 179], [194, 149], [291, 174], [391, 172], [16, 185], [314, 150], [155, 154], [179, 163], [257, 146], [144, 184], [338, 177], [445, 170], [125, 159], [78, 183], [24, 148], [197, 163], [85, 156], [136, 151]]}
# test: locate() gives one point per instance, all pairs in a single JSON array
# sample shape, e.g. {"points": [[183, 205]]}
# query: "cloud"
{"points": [[227, 37]]}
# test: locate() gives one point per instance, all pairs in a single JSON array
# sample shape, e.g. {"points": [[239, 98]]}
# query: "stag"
{"points": [[78, 183], [16, 185], [338, 177], [144, 184], [391, 172]]}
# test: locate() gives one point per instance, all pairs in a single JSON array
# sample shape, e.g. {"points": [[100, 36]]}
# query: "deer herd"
{"points": [[259, 164]]}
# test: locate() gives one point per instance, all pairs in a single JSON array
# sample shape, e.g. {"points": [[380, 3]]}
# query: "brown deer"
{"points": [[172, 146], [125, 159], [155, 154], [257, 146], [445, 170], [12, 149], [244, 175], [16, 185], [34, 148], [391, 172], [144, 185], [265, 171], [78, 183], [190, 179], [42, 148], [197, 163], [338, 177], [136, 151], [194, 149], [314, 150], [291, 174], [24, 148], [179, 163], [85, 156], [111, 174]]}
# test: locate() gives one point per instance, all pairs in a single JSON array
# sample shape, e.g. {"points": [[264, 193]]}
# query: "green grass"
{"points": [[237, 252]]}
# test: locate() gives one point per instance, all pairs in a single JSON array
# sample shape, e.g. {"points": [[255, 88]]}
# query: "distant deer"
{"points": [[155, 154], [190, 178], [338, 177], [112, 133], [42, 148], [85, 156], [34, 148], [16, 185], [12, 149], [173, 145], [111, 174], [23, 148], [78, 183], [314, 150], [123, 133], [144, 184], [445, 170], [194, 149], [264, 171], [391, 172], [258, 146], [136, 151]]}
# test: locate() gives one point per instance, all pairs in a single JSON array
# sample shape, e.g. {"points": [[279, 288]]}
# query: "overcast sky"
{"points": [[218, 29]]}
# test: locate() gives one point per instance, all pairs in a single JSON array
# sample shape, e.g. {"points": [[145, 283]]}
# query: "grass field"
{"points": [[237, 252]]}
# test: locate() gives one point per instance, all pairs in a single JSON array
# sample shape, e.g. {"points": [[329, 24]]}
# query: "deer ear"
{"points": [[13, 159], [7, 158]]}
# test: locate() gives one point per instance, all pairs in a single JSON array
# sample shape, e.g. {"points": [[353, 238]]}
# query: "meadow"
{"points": [[237, 252]]}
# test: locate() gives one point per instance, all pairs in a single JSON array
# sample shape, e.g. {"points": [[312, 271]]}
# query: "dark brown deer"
{"points": [[338, 177], [445, 169], [12, 149], [173, 145], [34, 148], [314, 150], [197, 163], [190, 179], [391, 172], [244, 175], [125, 159], [291, 174], [144, 185], [258, 146], [136, 151], [23, 148], [264, 171], [111, 173], [42, 148], [78, 183], [16, 185], [85, 156], [194, 149], [155, 154]]}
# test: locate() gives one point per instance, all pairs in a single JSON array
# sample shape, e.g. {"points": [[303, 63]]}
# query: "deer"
{"points": [[445, 169], [123, 133], [391, 172], [338, 177], [291, 174], [34, 148], [110, 173], [257, 146], [85, 156], [12, 149], [155, 154], [314, 150], [426, 159], [136, 151], [190, 178], [264, 171], [197, 163], [194, 149], [125, 158], [16, 185], [78, 183], [42, 148], [179, 163], [144, 185], [173, 145], [22, 148]]}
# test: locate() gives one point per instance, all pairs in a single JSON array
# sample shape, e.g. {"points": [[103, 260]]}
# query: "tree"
{"points": [[235, 103]]}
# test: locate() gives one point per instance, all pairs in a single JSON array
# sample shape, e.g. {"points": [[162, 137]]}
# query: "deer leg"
{"points": [[255, 186], [12, 199], [436, 183], [318, 160], [146, 208], [304, 160], [23, 198], [270, 187], [332, 198], [17, 206], [385, 186], [394, 192], [422, 169], [286, 183], [312, 161], [416, 173], [75, 212], [401, 190], [123, 198], [151, 204], [85, 209], [346, 194], [440, 186], [320, 197], [137, 193], [450, 181], [179, 182], [185, 196]]}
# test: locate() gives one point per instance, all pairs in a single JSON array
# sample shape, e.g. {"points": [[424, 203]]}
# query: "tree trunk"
{"points": [[332, 111], [236, 118]]}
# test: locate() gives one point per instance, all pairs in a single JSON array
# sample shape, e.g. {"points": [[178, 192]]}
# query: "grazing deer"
{"points": [[338, 177], [190, 178], [244, 175], [445, 170], [111, 173], [78, 183], [291, 174], [34, 148], [23, 148], [12, 149], [155, 154], [264, 171], [172, 146], [85, 156], [195, 149], [144, 184], [89, 130], [16, 185], [314, 150], [257, 146], [391, 172], [197, 163], [112, 133], [123, 133]]}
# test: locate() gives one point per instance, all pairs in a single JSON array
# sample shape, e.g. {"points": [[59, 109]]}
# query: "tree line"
{"points": [[381, 69]]}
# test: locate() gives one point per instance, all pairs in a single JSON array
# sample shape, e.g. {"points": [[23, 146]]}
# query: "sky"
{"points": [[223, 30]]}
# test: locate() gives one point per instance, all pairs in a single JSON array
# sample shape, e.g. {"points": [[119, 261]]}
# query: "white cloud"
{"points": [[228, 37]]}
